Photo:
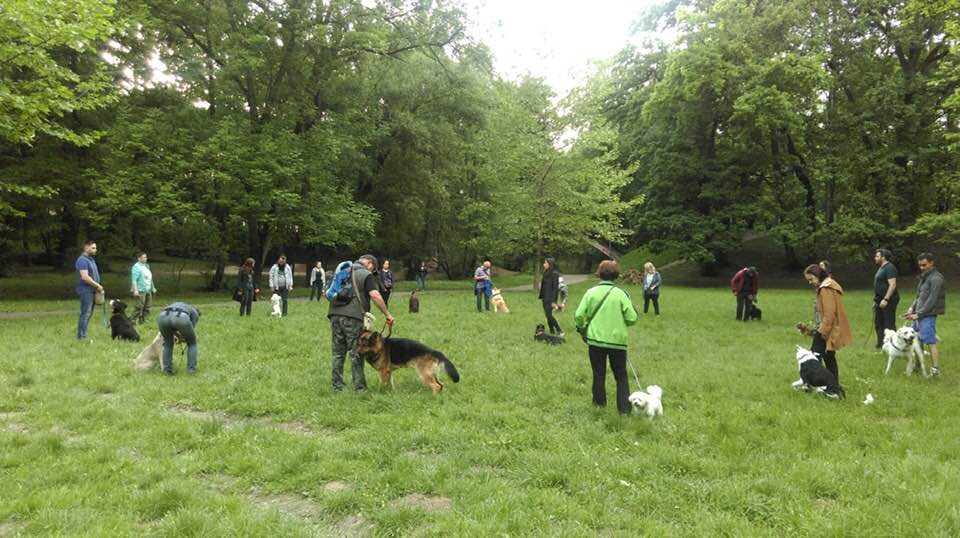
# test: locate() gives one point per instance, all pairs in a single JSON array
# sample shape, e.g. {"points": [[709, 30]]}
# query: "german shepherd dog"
{"points": [[388, 354]]}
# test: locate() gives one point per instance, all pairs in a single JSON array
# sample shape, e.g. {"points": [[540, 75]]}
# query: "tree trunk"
{"points": [[216, 281]]}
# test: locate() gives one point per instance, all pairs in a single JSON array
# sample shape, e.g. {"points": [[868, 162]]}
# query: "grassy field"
{"points": [[256, 444]]}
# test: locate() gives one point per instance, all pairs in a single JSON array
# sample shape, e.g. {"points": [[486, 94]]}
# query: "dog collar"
{"points": [[810, 358]]}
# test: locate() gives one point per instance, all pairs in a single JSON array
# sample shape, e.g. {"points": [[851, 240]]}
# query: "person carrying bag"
{"points": [[602, 318]]}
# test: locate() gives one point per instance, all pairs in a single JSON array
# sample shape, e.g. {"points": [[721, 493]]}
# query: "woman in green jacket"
{"points": [[606, 311]]}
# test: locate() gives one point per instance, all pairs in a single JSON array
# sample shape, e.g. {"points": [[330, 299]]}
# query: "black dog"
{"points": [[414, 302], [756, 313], [120, 325], [540, 335]]}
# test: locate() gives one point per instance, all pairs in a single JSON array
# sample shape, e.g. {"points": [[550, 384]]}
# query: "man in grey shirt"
{"points": [[930, 303]]}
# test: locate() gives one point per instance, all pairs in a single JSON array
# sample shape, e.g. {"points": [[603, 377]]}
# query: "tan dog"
{"points": [[499, 305], [151, 354]]}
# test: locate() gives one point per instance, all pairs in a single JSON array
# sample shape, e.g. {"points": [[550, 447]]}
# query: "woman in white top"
{"points": [[651, 288]]}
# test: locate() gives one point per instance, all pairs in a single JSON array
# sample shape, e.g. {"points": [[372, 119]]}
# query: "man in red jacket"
{"points": [[745, 284]]}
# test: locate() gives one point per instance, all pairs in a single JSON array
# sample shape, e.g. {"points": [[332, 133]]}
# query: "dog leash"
{"points": [[106, 323], [634, 370]]}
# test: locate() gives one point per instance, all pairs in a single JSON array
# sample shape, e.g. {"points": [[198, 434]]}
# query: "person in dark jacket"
{"points": [[179, 320], [386, 280], [549, 293], [885, 295], [651, 288], [422, 276], [247, 286], [931, 302], [745, 284]]}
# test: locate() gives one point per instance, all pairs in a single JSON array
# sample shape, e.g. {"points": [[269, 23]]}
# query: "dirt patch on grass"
{"points": [[11, 424], [287, 503], [232, 421], [429, 503], [355, 525], [7, 529], [337, 486]]}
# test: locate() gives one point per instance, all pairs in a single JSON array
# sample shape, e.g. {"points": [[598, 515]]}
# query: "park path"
{"points": [[569, 279]]}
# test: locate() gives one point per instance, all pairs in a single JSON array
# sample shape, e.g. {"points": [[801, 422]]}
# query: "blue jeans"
{"points": [[421, 283], [171, 323], [86, 312]]}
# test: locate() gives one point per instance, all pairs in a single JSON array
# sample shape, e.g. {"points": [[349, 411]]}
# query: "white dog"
{"points": [[903, 343], [649, 400], [277, 311]]}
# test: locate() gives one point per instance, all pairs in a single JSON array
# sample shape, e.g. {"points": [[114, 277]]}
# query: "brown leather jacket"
{"points": [[834, 325]]}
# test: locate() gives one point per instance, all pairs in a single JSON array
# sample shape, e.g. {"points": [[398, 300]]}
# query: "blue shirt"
{"points": [[87, 263]]}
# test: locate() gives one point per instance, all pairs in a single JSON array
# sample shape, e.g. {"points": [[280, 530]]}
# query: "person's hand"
{"points": [[554, 306], [390, 321], [913, 317], [136, 293], [883, 303], [100, 289], [749, 297]]}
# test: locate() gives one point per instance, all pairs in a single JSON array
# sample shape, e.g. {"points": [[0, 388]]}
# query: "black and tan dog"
{"points": [[388, 354], [414, 302], [540, 335]]}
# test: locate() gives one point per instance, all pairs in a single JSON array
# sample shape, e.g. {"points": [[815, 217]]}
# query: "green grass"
{"points": [[257, 445]]}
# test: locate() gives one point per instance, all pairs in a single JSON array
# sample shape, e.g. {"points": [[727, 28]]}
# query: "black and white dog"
{"points": [[813, 376], [904, 343], [120, 325], [755, 312], [540, 335]]}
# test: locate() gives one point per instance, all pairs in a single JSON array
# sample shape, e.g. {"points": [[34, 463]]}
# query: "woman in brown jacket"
{"points": [[832, 330]]}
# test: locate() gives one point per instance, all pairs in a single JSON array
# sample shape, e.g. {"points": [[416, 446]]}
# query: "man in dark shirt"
{"points": [[346, 321], [885, 294], [88, 285]]}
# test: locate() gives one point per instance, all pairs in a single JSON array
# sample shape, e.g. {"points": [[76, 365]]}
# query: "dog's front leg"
{"points": [[385, 378], [889, 364]]}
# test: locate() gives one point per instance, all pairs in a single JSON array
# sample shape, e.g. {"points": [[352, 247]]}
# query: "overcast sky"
{"points": [[553, 39]]}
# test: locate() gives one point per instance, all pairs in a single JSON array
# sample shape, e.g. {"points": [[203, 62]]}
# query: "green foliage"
{"points": [[45, 67]]}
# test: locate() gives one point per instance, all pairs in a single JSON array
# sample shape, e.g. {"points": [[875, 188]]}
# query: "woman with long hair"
{"points": [[247, 286], [549, 294], [831, 330]]}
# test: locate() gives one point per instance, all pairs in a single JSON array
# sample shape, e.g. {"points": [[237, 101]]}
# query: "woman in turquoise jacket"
{"points": [[606, 311]]}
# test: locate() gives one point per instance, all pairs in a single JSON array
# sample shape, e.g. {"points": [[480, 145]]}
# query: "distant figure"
{"points": [[142, 288], [88, 286], [483, 286], [248, 287], [931, 302], [318, 281], [602, 319], [564, 294], [179, 320], [281, 280], [651, 288], [831, 329], [745, 284], [885, 295], [550, 294], [386, 279], [422, 276]]}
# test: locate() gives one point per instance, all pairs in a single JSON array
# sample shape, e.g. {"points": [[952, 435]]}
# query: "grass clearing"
{"points": [[256, 444]]}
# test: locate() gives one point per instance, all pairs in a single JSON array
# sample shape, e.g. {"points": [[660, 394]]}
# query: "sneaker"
{"points": [[562, 334], [935, 371], [191, 371], [168, 372]]}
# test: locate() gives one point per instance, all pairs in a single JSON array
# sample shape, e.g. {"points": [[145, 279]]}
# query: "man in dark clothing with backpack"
{"points": [[348, 306]]}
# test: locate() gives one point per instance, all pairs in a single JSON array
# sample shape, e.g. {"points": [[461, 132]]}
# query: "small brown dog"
{"points": [[388, 354], [499, 305]]}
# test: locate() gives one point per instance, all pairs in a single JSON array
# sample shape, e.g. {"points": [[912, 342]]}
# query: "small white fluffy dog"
{"points": [[277, 311], [649, 400], [903, 343]]}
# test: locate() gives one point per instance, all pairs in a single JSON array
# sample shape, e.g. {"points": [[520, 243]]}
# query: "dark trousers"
{"points": [[316, 289], [885, 318], [829, 358], [386, 296], [246, 301], [480, 293], [618, 363], [655, 298], [551, 321], [283, 292], [744, 307]]}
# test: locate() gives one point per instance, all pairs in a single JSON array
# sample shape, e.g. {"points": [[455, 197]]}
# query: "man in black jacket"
{"points": [[549, 291]]}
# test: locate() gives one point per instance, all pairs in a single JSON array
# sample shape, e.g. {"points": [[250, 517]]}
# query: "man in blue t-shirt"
{"points": [[88, 284]]}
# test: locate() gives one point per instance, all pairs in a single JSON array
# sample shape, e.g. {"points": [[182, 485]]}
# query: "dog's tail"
{"points": [[448, 366]]}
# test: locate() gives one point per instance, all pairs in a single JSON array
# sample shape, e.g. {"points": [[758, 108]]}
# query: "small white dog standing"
{"points": [[904, 343], [277, 312], [649, 400]]}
